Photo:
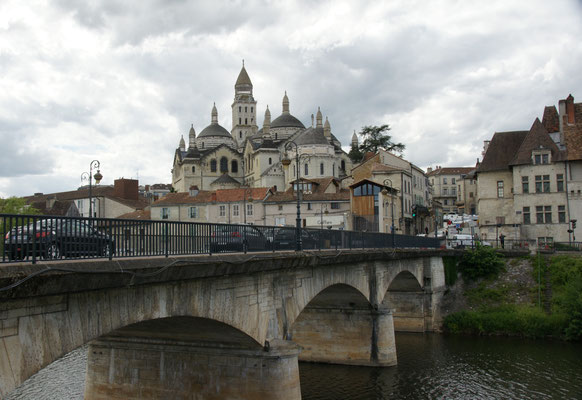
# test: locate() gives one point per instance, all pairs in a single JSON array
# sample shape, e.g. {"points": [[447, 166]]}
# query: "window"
{"points": [[165, 213], [539, 214], [548, 214], [453, 191], [471, 194], [252, 109], [280, 207], [546, 183], [193, 169], [525, 184], [306, 169], [240, 134], [444, 181], [234, 166], [223, 165], [526, 216], [239, 109], [537, 159], [240, 121], [445, 192], [500, 220], [309, 206], [246, 109], [545, 241], [213, 165], [343, 165], [446, 202], [222, 211], [542, 158], [246, 121], [321, 169], [235, 210], [249, 209], [500, 189], [562, 214], [335, 206], [193, 212], [280, 221], [453, 181], [545, 158], [270, 161], [560, 181]]}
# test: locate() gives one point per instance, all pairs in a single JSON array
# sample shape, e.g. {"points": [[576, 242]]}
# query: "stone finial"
{"points": [[214, 114], [182, 143], [327, 129], [192, 137], [355, 139], [319, 118], [285, 104], [267, 121]]}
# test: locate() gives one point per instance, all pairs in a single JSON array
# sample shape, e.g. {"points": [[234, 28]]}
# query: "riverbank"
{"points": [[531, 296]]}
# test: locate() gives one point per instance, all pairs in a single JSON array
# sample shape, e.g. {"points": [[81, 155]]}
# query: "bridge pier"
{"points": [[132, 368], [346, 336]]}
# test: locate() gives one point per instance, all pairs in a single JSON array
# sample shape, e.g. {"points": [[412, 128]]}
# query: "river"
{"points": [[430, 366]]}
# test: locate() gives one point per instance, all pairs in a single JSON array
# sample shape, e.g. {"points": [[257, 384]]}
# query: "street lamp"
{"points": [[391, 207], [246, 192], [321, 209], [286, 163], [89, 176]]}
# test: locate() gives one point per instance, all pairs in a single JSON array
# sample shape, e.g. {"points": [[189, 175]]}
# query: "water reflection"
{"points": [[429, 366]]}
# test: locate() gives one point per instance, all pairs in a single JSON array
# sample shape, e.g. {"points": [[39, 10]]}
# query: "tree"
{"points": [[375, 137], [15, 205], [355, 154]]}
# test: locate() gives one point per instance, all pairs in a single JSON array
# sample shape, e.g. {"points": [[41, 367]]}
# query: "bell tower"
{"points": [[244, 109]]}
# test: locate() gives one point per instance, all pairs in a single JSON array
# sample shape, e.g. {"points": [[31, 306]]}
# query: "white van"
{"points": [[459, 241]]}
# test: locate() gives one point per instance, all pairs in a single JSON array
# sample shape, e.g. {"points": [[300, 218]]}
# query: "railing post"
{"points": [[33, 238], [166, 231]]}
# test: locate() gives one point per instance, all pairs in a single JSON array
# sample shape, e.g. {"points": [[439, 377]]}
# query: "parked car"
{"points": [[56, 238], [460, 241], [284, 239], [237, 238]]}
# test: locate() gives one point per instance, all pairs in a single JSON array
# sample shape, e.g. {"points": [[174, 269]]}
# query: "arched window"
{"points": [[202, 144], [239, 108], [240, 121], [343, 165], [234, 166], [321, 169], [240, 134], [251, 109], [193, 169], [306, 169], [223, 165], [246, 121], [213, 165], [270, 161], [246, 109]]}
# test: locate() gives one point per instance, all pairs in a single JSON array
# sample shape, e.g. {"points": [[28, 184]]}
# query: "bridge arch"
{"points": [[406, 298]]}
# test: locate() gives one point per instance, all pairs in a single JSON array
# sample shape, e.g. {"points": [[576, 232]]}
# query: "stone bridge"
{"points": [[223, 326]]}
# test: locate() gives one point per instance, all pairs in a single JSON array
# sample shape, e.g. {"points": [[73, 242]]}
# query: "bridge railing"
{"points": [[31, 238]]}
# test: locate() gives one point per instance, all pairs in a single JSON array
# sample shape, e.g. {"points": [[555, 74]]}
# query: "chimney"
{"points": [[50, 202], [570, 109], [194, 191], [429, 170], [126, 189]]}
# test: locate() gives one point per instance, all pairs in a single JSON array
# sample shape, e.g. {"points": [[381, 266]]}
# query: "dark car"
{"points": [[56, 238], [285, 239], [237, 238]]}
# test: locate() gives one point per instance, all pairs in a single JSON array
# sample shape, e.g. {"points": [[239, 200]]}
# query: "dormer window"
{"points": [[541, 157]]}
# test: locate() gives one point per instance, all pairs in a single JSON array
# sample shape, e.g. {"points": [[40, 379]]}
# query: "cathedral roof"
{"points": [[225, 179], [243, 79], [311, 136], [286, 120], [214, 130]]}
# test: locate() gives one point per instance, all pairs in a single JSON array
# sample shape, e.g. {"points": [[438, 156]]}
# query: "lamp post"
{"points": [[286, 162], [391, 207], [321, 209], [246, 192], [89, 176]]}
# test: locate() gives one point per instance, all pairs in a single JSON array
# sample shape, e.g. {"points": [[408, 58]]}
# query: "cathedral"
{"points": [[249, 156]]}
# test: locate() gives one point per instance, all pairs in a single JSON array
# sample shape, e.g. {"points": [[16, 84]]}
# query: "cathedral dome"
{"points": [[214, 130], [287, 121]]}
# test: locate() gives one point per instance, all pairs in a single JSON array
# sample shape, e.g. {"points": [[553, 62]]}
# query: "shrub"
{"points": [[451, 270], [480, 263]]}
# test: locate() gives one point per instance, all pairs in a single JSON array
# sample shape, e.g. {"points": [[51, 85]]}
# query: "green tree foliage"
{"points": [[566, 280], [355, 154], [483, 262], [376, 137]]}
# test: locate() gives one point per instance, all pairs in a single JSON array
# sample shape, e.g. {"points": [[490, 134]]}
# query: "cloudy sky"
{"points": [[122, 81]]}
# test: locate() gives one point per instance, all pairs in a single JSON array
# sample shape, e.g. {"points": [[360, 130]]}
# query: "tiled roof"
{"points": [[501, 150], [536, 138], [139, 214], [551, 119], [573, 135], [214, 196], [289, 196], [451, 171]]}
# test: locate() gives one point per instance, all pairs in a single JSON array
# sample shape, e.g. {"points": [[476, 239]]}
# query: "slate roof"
{"points": [[286, 120], [311, 136], [536, 138], [243, 78], [214, 129], [225, 179], [501, 151]]}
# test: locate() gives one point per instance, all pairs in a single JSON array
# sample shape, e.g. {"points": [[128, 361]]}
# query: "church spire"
{"points": [[192, 137], [318, 119], [243, 82], [327, 130], [267, 122]]}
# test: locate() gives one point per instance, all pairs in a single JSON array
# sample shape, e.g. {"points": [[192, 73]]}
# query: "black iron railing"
{"points": [[31, 238]]}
